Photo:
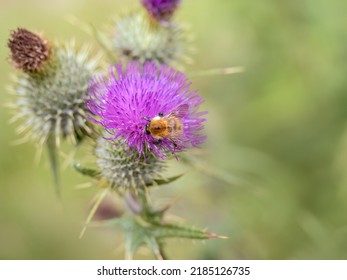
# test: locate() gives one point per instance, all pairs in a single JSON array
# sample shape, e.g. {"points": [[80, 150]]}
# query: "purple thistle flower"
{"points": [[161, 10], [126, 102]]}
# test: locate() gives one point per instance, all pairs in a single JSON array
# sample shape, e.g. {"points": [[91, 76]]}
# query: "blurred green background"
{"points": [[273, 178]]}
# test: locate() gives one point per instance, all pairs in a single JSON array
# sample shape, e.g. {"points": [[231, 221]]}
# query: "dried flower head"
{"points": [[136, 37], [29, 52], [124, 170], [50, 102], [149, 107], [161, 10]]}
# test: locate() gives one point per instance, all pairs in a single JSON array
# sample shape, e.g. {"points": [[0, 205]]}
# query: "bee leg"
{"points": [[157, 142], [161, 114], [147, 129], [175, 145], [147, 125], [174, 150]]}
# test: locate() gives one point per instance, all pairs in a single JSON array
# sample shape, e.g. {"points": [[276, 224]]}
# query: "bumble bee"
{"points": [[168, 126]]}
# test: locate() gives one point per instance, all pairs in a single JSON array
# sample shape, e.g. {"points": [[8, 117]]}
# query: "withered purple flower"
{"points": [[161, 10], [150, 107], [29, 52]]}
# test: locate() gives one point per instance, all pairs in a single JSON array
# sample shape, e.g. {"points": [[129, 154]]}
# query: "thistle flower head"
{"points": [[149, 107], [29, 52], [124, 170], [161, 10], [50, 102], [136, 37]]}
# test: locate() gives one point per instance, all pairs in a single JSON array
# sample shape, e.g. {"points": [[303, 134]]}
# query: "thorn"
{"points": [[213, 235], [217, 71], [38, 154], [82, 186], [159, 256], [92, 212], [233, 70], [20, 141], [170, 205], [128, 255]]}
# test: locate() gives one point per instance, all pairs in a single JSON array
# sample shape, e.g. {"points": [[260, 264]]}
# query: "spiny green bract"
{"points": [[124, 169], [50, 103], [138, 37]]}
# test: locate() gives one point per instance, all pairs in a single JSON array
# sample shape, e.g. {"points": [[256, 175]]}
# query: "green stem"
{"points": [[54, 162], [142, 195]]}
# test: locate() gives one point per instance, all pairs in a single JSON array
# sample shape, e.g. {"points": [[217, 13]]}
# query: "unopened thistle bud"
{"points": [[137, 37], [50, 87], [125, 169], [161, 10]]}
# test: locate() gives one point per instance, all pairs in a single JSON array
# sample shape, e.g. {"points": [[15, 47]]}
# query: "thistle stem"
{"points": [[142, 195], [54, 162]]}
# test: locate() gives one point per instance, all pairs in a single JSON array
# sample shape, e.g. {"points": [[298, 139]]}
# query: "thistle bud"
{"points": [[137, 37], [124, 169], [50, 87]]}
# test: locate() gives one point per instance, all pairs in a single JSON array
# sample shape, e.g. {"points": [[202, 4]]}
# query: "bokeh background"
{"points": [[273, 172]]}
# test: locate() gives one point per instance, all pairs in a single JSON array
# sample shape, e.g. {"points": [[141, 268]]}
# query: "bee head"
{"points": [[147, 129], [147, 125]]}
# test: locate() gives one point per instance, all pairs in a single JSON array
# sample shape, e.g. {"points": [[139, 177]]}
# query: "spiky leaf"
{"points": [[86, 171], [167, 180], [138, 232]]}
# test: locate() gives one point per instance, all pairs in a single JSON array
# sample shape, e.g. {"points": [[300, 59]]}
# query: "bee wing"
{"points": [[180, 111], [179, 139]]}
